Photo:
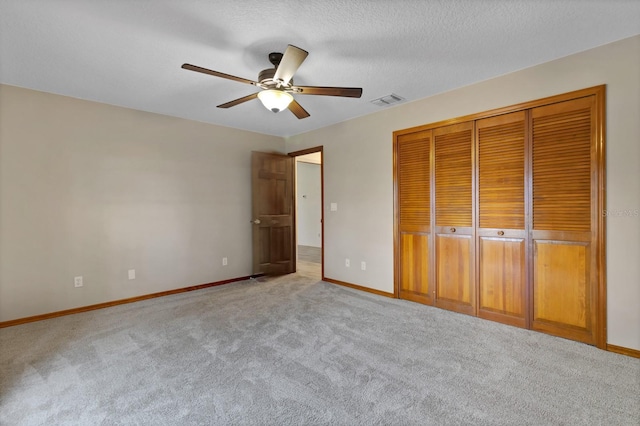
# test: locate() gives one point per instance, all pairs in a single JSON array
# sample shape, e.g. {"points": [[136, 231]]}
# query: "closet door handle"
{"points": [[452, 229], [501, 233]]}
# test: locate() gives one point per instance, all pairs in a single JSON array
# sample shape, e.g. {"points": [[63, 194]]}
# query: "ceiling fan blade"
{"points": [[291, 61], [217, 74], [348, 92], [238, 101], [297, 110]]}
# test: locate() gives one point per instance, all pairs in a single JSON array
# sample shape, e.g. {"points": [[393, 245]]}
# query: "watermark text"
{"points": [[621, 213]]}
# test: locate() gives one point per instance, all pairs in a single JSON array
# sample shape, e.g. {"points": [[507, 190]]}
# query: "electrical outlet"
{"points": [[77, 282], [363, 265], [347, 263], [224, 261], [132, 274]]}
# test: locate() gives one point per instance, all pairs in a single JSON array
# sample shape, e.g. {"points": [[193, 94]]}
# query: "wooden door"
{"points": [[454, 224], [273, 215], [501, 234], [413, 212], [564, 232]]}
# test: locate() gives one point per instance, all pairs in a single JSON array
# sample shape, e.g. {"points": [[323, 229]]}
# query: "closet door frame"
{"points": [[598, 274]]}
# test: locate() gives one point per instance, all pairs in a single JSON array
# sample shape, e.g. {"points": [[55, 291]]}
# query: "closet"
{"points": [[497, 215]]}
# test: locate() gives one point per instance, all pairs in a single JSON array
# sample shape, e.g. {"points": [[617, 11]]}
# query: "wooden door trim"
{"points": [[599, 91], [600, 234], [396, 221], [306, 151]]}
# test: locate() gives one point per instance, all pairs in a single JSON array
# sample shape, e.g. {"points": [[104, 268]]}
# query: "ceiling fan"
{"points": [[277, 84]]}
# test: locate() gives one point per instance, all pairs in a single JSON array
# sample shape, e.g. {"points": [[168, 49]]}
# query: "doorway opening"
{"points": [[309, 203]]}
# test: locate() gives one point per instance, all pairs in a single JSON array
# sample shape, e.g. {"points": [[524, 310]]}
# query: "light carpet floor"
{"points": [[293, 350]]}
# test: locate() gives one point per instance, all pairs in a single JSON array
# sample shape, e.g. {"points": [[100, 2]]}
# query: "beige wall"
{"points": [[358, 170], [94, 190]]}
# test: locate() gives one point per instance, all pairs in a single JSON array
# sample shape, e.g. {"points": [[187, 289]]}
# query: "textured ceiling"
{"points": [[129, 52]]}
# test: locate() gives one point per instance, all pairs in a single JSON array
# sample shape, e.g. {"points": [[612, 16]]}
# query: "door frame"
{"points": [[295, 182]]}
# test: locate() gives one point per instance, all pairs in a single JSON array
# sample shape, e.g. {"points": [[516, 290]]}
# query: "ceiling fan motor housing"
{"points": [[266, 77]]}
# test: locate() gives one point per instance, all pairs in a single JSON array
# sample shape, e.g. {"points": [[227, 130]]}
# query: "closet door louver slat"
{"points": [[453, 176], [414, 188]]}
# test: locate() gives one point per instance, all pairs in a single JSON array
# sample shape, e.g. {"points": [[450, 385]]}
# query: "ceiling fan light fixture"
{"points": [[277, 84], [275, 100]]}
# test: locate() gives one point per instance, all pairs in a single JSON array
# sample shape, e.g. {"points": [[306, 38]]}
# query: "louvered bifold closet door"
{"points": [[501, 233], [454, 225], [564, 264], [413, 172]]}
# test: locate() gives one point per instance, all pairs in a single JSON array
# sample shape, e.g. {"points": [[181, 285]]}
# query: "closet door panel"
{"points": [[454, 269], [414, 281], [501, 242], [454, 218], [561, 279], [502, 278], [413, 174], [563, 164]]}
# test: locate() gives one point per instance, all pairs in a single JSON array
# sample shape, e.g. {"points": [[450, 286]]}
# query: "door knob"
{"points": [[257, 221], [453, 229]]}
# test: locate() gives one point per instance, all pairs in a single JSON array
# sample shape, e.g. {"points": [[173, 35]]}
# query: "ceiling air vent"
{"points": [[387, 100]]}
